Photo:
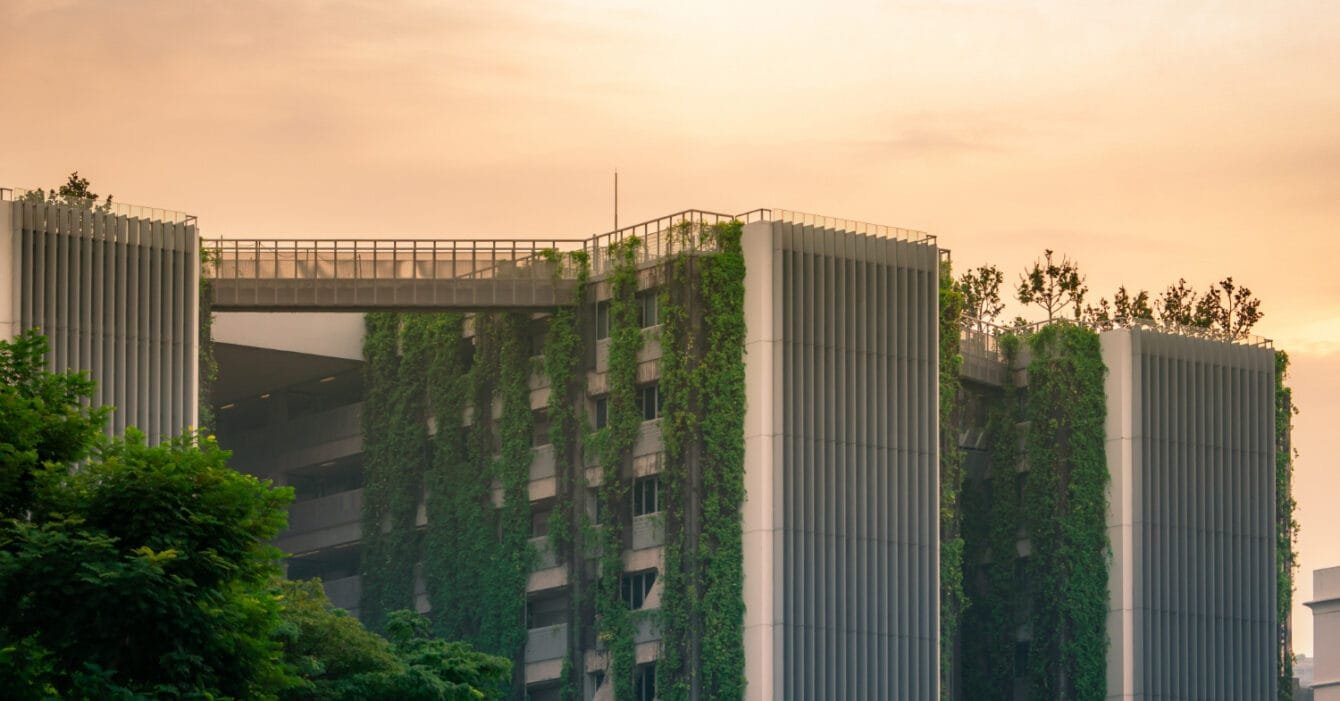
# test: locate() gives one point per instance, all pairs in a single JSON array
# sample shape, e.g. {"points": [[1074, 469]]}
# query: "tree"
{"points": [[1123, 309], [143, 570], [981, 292], [1053, 285], [42, 419], [1229, 309], [1177, 306], [75, 192], [339, 660], [130, 571]]}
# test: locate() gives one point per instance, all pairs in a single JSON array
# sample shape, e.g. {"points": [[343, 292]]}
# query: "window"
{"points": [[539, 523], [648, 309], [651, 401], [602, 319], [540, 429], [546, 611], [602, 412], [598, 510], [646, 495], [634, 587], [644, 683]]}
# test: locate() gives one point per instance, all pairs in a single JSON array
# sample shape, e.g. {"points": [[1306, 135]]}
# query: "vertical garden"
{"points": [[448, 426]]}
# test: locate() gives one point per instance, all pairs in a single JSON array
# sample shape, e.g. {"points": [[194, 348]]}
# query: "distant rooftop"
{"points": [[120, 209]]}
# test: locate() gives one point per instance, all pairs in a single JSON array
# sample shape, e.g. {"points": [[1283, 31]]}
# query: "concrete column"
{"points": [[762, 662], [1326, 634], [10, 275]]}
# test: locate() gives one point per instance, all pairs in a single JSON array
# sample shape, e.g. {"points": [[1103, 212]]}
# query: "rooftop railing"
{"points": [[120, 209], [852, 225], [381, 259], [979, 327]]}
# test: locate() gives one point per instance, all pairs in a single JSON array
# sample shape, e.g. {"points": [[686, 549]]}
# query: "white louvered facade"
{"points": [[117, 296]]}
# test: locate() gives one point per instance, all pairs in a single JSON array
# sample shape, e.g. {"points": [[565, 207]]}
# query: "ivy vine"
{"points": [[395, 447], [991, 532], [564, 350], [1286, 529], [702, 380], [1064, 509], [952, 598], [614, 444]]}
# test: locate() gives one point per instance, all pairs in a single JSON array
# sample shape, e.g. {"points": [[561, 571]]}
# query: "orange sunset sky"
{"points": [[1148, 140]]}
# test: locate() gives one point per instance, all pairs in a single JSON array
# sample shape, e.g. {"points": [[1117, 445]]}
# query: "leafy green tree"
{"points": [[339, 660], [980, 288], [1123, 309], [1229, 308], [75, 192], [145, 571], [1053, 285], [42, 419], [1177, 305]]}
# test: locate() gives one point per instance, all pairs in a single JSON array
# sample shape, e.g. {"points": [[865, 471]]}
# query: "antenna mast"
{"points": [[616, 200]]}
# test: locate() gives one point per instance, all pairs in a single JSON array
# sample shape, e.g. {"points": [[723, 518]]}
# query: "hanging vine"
{"points": [[395, 452], [681, 589], [1286, 529], [614, 443], [991, 534], [952, 598], [208, 366], [564, 350], [457, 500], [702, 380], [1064, 510], [720, 548]]}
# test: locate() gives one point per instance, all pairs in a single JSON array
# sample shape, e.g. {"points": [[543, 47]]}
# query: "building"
{"points": [[115, 290], [701, 457], [836, 422], [1182, 428], [1325, 605]]}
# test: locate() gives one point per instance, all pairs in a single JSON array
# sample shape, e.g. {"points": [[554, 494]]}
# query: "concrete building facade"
{"points": [[116, 291], [1325, 607]]}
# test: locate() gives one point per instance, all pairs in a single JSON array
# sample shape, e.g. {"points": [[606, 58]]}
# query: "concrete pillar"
{"points": [[1325, 607]]}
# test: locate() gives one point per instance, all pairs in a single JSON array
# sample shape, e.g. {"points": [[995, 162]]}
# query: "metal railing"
{"points": [[120, 209], [663, 236], [852, 225], [426, 259], [974, 328], [379, 259]]}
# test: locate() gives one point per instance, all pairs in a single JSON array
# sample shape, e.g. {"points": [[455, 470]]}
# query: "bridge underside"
{"points": [[361, 295]]}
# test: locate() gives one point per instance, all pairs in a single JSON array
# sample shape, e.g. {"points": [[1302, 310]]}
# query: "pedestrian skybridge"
{"points": [[366, 274]]}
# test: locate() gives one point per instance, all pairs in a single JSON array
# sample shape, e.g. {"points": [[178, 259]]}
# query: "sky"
{"points": [[1147, 140]]}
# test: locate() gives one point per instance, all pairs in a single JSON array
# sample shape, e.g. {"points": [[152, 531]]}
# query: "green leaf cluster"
{"points": [[1286, 528], [339, 660], [953, 302], [702, 378], [615, 625]]}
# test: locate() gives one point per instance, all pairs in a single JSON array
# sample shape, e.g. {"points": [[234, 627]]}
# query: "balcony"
{"points": [[323, 522], [547, 643]]}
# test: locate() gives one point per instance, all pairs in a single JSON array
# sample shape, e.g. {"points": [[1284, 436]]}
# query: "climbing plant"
{"points": [[678, 425], [207, 364], [1064, 509], [702, 380], [991, 533], [1286, 529], [952, 599], [395, 448], [564, 349], [722, 424], [614, 444]]}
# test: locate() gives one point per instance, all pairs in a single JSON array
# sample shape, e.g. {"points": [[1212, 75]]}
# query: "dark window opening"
{"points": [[644, 683], [646, 495], [602, 319], [651, 400], [635, 586], [602, 413], [648, 309]]}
